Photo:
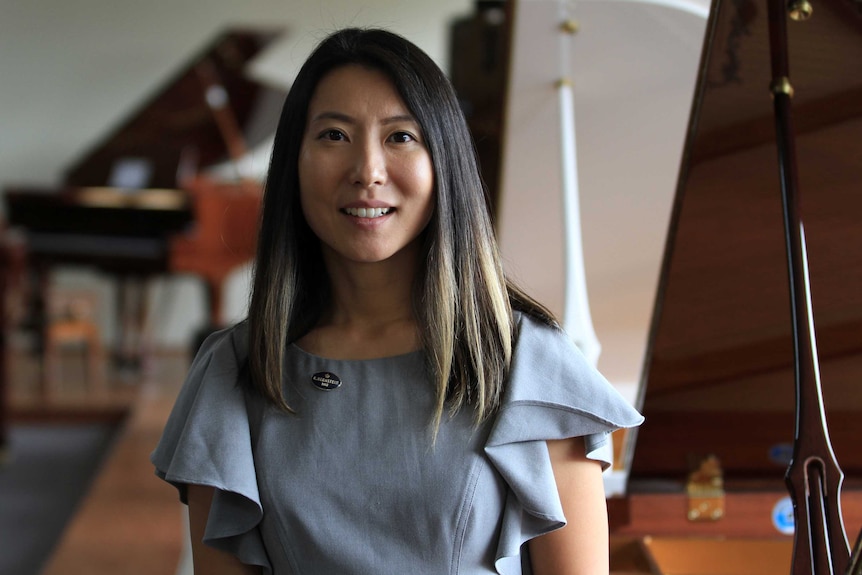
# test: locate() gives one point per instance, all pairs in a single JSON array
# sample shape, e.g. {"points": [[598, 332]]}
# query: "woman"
{"points": [[392, 403]]}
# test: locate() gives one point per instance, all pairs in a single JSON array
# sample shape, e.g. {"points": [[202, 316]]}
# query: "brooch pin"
{"points": [[325, 380]]}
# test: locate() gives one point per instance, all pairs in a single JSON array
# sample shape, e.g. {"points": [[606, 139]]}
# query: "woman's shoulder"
{"points": [[208, 440], [229, 342], [549, 371], [552, 393], [213, 378], [529, 327], [545, 358]]}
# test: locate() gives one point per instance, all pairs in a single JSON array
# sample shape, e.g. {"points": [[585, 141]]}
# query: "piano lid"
{"points": [[179, 124], [718, 374]]}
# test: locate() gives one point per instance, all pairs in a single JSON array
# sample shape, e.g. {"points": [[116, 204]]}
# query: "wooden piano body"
{"points": [[719, 372], [140, 202]]}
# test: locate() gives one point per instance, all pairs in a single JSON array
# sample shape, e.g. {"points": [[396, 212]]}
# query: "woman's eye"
{"points": [[402, 137], [333, 135]]}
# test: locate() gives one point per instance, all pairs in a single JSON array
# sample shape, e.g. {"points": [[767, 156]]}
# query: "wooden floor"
{"points": [[130, 522]]}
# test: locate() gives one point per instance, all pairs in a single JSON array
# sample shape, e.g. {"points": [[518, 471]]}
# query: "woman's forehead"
{"points": [[355, 89]]}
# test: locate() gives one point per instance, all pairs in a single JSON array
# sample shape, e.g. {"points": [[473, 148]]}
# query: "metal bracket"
{"points": [[705, 488]]}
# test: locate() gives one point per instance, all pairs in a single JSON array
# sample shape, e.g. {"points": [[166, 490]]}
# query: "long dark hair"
{"points": [[462, 301]]}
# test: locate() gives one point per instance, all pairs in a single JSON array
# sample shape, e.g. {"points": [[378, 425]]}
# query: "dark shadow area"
{"points": [[49, 470]]}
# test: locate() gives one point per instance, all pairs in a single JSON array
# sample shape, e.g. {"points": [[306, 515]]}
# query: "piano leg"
{"points": [[4, 387], [130, 353], [39, 321]]}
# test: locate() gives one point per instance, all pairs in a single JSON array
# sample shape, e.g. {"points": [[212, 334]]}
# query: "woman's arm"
{"points": [[581, 547], [207, 560]]}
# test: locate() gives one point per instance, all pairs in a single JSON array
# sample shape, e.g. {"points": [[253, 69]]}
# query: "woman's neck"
{"points": [[371, 311]]}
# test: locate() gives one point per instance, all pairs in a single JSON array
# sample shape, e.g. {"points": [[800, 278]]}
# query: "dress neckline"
{"points": [[397, 356]]}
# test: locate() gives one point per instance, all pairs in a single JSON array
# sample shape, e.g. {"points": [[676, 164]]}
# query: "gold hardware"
{"points": [[563, 82], [705, 488], [781, 86], [570, 26], [800, 10]]}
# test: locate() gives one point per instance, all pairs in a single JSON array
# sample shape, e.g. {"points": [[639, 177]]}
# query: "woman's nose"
{"points": [[369, 167]]}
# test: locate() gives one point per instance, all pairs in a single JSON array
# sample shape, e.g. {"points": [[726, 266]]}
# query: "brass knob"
{"points": [[781, 85], [570, 26], [800, 10]]}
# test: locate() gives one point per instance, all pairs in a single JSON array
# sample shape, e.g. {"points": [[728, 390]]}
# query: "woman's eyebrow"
{"points": [[333, 116], [399, 118], [341, 117]]}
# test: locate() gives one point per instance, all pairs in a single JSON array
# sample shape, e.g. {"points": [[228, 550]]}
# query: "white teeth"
{"points": [[367, 212]]}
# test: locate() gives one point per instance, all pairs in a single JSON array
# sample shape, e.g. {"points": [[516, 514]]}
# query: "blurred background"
{"points": [[74, 72], [73, 75]]}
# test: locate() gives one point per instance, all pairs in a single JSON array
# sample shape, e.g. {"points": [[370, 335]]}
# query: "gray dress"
{"points": [[354, 485]]}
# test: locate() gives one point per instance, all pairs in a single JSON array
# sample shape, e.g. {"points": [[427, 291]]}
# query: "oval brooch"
{"points": [[326, 380]]}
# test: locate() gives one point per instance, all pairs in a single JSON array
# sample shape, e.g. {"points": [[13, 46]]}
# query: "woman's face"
{"points": [[365, 176]]}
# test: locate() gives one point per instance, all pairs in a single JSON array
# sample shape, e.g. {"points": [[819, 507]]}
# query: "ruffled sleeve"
{"points": [[208, 441], [552, 393]]}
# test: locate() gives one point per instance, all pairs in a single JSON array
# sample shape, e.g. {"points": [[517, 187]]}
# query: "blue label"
{"points": [[781, 453], [782, 516]]}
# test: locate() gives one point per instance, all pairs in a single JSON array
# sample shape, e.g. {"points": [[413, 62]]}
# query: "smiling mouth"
{"points": [[367, 212]]}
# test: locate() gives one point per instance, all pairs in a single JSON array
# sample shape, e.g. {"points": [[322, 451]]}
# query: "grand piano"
{"points": [[752, 384], [141, 202], [749, 458]]}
